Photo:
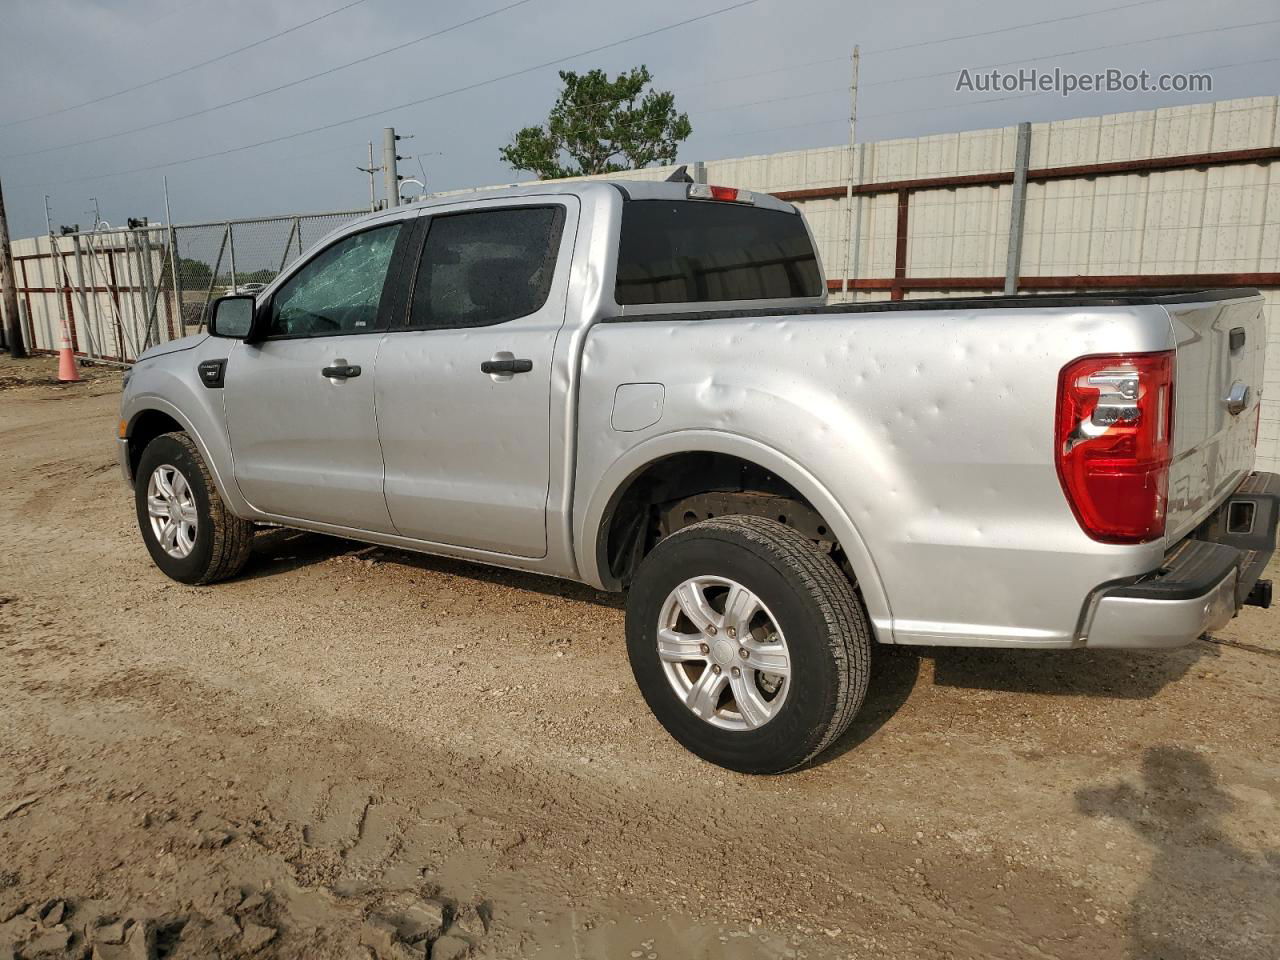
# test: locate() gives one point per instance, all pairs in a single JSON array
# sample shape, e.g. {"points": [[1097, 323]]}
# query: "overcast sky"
{"points": [[56, 54]]}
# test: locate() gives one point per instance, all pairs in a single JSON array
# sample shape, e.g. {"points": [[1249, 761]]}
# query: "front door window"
{"points": [[337, 292]]}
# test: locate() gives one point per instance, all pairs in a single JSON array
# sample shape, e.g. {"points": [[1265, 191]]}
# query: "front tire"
{"points": [[188, 530], [748, 643]]}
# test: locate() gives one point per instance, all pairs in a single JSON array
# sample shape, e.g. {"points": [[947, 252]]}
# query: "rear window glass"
{"points": [[689, 251]]}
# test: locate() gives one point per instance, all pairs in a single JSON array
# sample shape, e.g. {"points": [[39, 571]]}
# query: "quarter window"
{"points": [[486, 267], [339, 291]]}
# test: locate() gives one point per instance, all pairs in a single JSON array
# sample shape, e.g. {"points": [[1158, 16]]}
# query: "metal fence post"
{"points": [[850, 237], [284, 256], [213, 276], [108, 281], [180, 321], [123, 285], [1017, 209], [231, 241], [91, 349], [55, 258], [148, 285], [854, 253], [24, 324]]}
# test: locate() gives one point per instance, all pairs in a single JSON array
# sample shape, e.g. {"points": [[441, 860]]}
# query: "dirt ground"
{"points": [[348, 746]]}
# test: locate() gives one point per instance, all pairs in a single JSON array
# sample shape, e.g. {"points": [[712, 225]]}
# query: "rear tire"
{"points": [[773, 602], [188, 530]]}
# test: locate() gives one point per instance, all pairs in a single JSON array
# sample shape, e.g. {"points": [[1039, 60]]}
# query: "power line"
{"points": [[789, 126], [844, 59], [953, 106], [421, 100], [793, 96], [1020, 26], [401, 46], [1072, 53], [187, 69], [784, 69], [708, 83], [1048, 93], [944, 73], [968, 36], [263, 93]]}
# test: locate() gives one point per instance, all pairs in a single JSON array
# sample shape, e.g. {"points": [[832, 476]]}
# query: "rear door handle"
{"points": [[506, 366], [341, 370]]}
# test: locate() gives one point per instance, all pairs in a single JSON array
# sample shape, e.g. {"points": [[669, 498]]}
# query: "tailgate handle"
{"points": [[1238, 398], [1237, 339]]}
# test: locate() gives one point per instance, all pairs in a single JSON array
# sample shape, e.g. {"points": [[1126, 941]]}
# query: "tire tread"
{"points": [[819, 584], [833, 594], [232, 536]]}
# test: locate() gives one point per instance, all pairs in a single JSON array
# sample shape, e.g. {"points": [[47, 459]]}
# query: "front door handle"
{"points": [[513, 365], [341, 370]]}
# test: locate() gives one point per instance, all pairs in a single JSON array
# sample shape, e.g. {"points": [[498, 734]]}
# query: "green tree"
{"points": [[602, 126]]}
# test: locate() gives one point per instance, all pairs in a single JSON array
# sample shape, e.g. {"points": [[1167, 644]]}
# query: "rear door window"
{"points": [[486, 267], [688, 251]]}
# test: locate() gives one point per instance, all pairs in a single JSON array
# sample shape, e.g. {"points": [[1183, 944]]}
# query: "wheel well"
{"points": [[146, 426], [685, 488]]}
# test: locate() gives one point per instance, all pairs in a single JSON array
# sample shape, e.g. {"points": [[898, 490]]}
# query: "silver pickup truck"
{"points": [[640, 386]]}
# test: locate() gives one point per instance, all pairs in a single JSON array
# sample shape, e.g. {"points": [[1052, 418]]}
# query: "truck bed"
{"points": [[1030, 301]]}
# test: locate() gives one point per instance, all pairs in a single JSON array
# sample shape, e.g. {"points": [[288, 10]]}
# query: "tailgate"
{"points": [[1221, 349]]}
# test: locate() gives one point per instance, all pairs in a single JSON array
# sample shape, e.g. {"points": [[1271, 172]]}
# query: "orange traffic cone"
{"points": [[67, 370]]}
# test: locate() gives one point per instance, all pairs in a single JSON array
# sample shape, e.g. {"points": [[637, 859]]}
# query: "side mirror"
{"points": [[231, 317]]}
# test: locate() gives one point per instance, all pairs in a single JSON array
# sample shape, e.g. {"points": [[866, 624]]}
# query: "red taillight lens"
{"points": [[1112, 443], [724, 193]]}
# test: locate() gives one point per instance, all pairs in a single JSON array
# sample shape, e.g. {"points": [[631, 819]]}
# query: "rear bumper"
{"points": [[1204, 581]]}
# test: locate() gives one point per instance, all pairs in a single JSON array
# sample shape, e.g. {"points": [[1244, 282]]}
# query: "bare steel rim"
{"points": [[171, 508], [723, 653]]}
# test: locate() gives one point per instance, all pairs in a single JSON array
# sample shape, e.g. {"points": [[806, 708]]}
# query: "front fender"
{"points": [[158, 385], [589, 518]]}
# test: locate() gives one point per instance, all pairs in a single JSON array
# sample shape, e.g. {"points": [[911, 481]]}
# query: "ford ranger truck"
{"points": [[641, 387]]}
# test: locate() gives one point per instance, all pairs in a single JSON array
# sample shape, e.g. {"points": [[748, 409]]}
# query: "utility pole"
{"points": [[13, 329], [852, 238], [371, 170], [390, 178]]}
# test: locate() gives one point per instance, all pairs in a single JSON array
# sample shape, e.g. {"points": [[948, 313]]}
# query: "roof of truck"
{"points": [[630, 189]]}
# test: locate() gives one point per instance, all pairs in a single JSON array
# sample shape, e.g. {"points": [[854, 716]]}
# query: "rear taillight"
{"points": [[1112, 443]]}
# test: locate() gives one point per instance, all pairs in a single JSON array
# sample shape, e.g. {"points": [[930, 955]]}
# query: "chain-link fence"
{"points": [[113, 293], [238, 256]]}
